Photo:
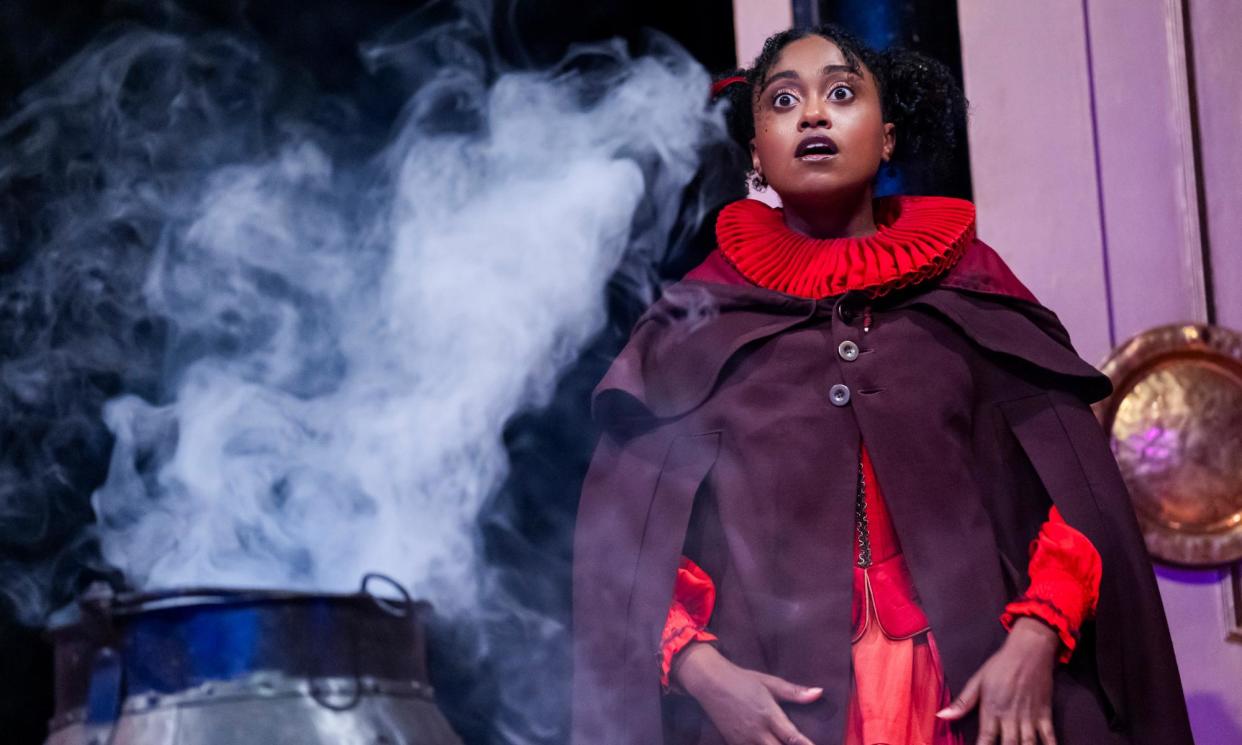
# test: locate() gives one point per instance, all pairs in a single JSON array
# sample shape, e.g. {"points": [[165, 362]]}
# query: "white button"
{"points": [[839, 395], [848, 351]]}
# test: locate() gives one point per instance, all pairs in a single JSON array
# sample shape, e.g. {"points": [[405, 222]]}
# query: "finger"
{"points": [[989, 730], [964, 702], [783, 690], [1027, 733], [769, 737], [1045, 730], [785, 731], [1009, 732]]}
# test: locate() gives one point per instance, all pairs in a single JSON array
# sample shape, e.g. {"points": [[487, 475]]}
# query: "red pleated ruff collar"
{"points": [[917, 238]]}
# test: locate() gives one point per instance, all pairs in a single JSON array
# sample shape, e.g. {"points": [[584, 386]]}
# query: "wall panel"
{"points": [[1033, 161]]}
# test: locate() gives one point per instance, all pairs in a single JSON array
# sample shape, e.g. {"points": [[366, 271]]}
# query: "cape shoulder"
{"points": [[680, 346]]}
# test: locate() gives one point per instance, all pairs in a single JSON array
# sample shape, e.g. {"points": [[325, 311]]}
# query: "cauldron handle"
{"points": [[381, 603]]}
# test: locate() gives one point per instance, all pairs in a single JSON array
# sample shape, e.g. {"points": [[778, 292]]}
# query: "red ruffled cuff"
{"points": [[694, 597], [1065, 573], [1025, 607]]}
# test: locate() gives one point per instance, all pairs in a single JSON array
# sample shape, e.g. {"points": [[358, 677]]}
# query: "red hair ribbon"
{"points": [[723, 83]]}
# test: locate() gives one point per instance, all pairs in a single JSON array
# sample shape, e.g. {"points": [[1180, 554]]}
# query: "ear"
{"points": [[890, 140], [754, 158]]}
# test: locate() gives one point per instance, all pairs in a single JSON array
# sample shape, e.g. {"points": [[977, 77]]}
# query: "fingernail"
{"points": [[815, 691], [946, 711]]}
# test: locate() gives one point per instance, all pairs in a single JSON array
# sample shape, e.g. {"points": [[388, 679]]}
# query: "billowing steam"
{"points": [[308, 345]]}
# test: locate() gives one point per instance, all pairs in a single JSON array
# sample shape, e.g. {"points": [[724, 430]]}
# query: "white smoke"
{"points": [[351, 338], [304, 336]]}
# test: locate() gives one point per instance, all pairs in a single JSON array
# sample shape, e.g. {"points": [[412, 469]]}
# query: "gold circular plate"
{"points": [[1175, 422]]}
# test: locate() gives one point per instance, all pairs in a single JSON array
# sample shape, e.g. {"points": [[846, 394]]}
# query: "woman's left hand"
{"points": [[1015, 688]]}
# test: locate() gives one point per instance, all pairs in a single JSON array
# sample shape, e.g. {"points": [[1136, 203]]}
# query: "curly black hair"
{"points": [[918, 94]]}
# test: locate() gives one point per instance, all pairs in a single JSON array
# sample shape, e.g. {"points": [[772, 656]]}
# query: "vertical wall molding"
{"points": [[1196, 146], [1190, 205], [1099, 176], [1212, 28]]}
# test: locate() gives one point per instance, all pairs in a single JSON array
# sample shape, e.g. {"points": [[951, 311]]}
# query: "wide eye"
{"points": [[841, 93], [784, 100]]}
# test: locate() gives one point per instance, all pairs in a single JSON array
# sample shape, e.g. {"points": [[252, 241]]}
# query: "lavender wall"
{"points": [[1033, 155], [756, 20], [1083, 161]]}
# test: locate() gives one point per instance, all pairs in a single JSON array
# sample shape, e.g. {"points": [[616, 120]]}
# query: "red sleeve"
{"points": [[694, 597], [1065, 582]]}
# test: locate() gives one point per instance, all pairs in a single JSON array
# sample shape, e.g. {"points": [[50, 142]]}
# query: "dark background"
{"points": [[526, 528]]}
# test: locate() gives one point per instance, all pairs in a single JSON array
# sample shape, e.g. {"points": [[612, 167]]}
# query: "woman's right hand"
{"points": [[741, 703]]}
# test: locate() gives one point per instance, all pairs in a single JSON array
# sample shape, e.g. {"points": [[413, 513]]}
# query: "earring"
{"points": [[757, 181]]}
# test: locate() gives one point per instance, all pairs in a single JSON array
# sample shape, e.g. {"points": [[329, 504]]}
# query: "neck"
{"points": [[833, 217]]}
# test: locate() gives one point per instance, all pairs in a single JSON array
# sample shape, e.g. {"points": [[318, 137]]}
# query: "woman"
{"points": [[841, 461]]}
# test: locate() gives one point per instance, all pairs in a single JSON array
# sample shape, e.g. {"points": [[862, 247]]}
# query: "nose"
{"points": [[814, 115]]}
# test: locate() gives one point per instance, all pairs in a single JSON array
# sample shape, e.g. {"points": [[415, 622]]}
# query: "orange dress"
{"points": [[898, 684]]}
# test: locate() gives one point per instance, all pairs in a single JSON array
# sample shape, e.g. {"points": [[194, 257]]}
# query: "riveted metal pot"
{"points": [[217, 667]]}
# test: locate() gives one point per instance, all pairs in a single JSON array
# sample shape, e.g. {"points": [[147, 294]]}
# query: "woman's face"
{"points": [[818, 127]]}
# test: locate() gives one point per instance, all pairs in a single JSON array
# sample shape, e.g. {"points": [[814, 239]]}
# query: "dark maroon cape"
{"points": [[720, 442]]}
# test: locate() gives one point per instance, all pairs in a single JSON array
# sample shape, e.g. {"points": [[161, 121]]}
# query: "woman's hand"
{"points": [[1015, 686], [741, 703]]}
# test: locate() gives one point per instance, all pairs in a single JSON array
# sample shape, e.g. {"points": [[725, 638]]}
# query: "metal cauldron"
{"points": [[229, 667]]}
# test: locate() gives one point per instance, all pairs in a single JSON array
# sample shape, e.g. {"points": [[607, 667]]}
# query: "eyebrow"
{"points": [[791, 75]]}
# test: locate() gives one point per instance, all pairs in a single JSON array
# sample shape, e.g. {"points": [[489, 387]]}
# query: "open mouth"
{"points": [[818, 147]]}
